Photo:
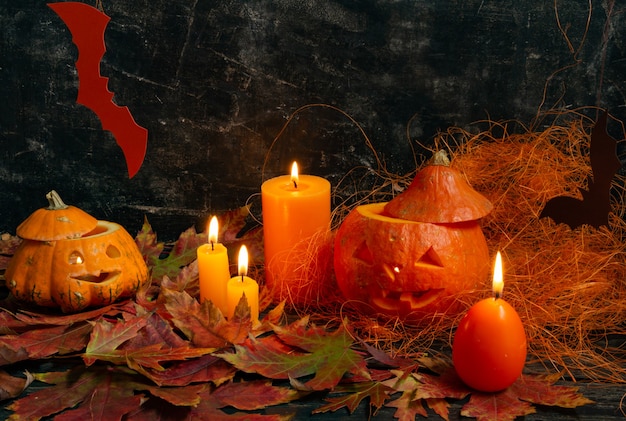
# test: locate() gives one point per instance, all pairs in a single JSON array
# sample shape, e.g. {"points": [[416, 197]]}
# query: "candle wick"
{"points": [[242, 278], [295, 184], [212, 246], [497, 295]]}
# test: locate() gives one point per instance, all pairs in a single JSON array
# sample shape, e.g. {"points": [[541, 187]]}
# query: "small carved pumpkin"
{"points": [[414, 256], [75, 271]]}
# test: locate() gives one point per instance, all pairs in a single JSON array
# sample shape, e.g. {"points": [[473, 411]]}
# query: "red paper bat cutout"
{"points": [[87, 25], [595, 206]]}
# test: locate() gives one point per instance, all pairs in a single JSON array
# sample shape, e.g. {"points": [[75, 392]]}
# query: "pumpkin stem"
{"points": [[441, 158], [55, 201]]}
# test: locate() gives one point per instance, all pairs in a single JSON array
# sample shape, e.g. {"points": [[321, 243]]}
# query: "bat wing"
{"points": [[87, 25], [602, 154], [594, 208]]}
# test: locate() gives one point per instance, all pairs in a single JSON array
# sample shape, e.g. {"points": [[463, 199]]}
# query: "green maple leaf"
{"points": [[299, 350], [354, 393], [183, 251]]}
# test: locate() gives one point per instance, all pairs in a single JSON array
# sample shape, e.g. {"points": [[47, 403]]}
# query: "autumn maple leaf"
{"points": [[108, 337], [90, 394], [299, 350], [168, 261], [43, 342], [517, 400], [440, 382], [354, 393], [203, 324], [181, 253]]}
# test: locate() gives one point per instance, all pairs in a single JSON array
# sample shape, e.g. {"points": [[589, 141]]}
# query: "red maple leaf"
{"points": [[354, 393], [517, 400], [245, 396], [91, 393], [203, 324], [421, 388], [43, 342], [107, 339]]}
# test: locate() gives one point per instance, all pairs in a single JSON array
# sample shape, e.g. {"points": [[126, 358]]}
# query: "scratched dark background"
{"points": [[215, 81]]}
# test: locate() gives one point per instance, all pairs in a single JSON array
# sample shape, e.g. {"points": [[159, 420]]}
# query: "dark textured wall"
{"points": [[214, 81]]}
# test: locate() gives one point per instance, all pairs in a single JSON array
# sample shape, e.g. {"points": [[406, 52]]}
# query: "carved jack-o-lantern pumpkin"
{"points": [[414, 256], [70, 260]]}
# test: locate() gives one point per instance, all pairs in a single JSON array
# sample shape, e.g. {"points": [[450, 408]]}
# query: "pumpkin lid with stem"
{"points": [[56, 222], [439, 194]]}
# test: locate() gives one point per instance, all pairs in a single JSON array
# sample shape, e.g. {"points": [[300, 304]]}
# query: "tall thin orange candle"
{"points": [[295, 209], [213, 269], [242, 285]]}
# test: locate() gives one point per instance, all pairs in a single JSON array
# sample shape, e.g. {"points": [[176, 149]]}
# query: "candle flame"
{"points": [[243, 261], [213, 230], [294, 174], [498, 278]]}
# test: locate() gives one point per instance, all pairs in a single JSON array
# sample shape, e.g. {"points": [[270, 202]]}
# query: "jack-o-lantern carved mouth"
{"points": [[413, 299], [101, 278]]}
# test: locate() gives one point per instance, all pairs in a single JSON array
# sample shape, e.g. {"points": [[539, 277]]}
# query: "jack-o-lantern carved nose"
{"points": [[430, 258]]}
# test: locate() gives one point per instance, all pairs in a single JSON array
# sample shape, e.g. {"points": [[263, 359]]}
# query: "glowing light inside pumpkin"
{"points": [[243, 261], [213, 230], [294, 174], [498, 279], [75, 259]]}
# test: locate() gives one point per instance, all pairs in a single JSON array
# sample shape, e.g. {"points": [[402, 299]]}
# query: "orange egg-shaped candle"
{"points": [[489, 347], [242, 285], [213, 270], [296, 208]]}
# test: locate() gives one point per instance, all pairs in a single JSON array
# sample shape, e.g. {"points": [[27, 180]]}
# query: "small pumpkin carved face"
{"points": [[414, 256], [74, 272]]}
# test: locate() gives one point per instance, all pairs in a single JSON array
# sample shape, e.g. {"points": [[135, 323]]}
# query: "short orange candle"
{"points": [[242, 285], [213, 269], [295, 208], [489, 347]]}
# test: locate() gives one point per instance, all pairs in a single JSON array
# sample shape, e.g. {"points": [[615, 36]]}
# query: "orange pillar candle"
{"points": [[295, 209], [213, 269], [489, 347], [242, 285]]}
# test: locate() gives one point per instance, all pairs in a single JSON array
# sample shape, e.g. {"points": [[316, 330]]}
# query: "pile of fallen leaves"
{"points": [[163, 354]]}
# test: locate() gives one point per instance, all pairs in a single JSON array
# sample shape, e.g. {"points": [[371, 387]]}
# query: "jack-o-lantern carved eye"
{"points": [[75, 258], [430, 258], [364, 254], [113, 252]]}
